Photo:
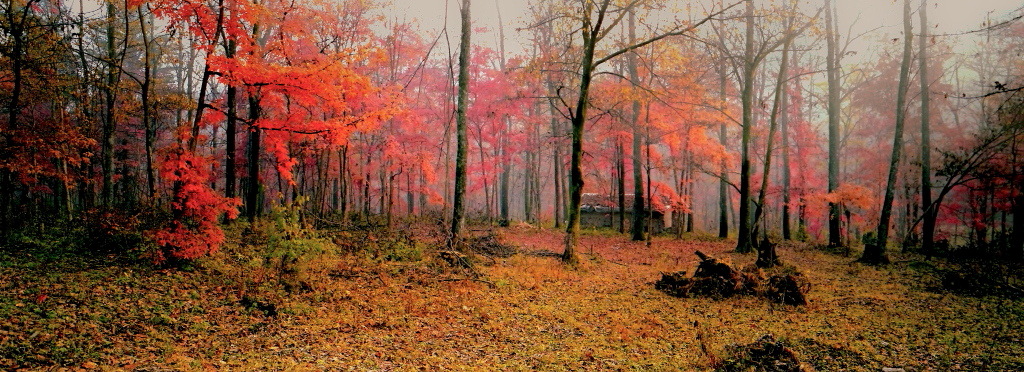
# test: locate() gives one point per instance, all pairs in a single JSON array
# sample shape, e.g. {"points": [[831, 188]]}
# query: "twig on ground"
{"points": [[492, 285]]}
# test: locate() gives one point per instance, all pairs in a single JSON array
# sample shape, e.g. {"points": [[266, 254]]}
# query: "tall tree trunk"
{"points": [[505, 176], [649, 210], [344, 175], [981, 228], [254, 185], [579, 118], [743, 244], [204, 84], [10, 137], [786, 172], [410, 196], [484, 176], [528, 169], [147, 116], [503, 181], [620, 171], [639, 215], [875, 253], [528, 187], [689, 171], [458, 207], [723, 182], [107, 139], [766, 250], [556, 163], [832, 62], [928, 231], [231, 129], [1017, 234], [780, 96]]}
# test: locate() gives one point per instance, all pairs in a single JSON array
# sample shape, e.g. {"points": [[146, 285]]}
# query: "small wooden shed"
{"points": [[602, 211]]}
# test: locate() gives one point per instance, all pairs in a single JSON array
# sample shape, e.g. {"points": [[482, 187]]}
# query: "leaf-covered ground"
{"points": [[526, 312]]}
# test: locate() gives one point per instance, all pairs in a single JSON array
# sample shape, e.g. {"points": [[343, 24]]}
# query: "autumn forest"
{"points": [[726, 185]]}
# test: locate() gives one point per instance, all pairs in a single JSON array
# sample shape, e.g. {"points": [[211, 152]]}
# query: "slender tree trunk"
{"points": [[458, 207], [786, 172], [110, 97], [344, 175], [556, 163], [410, 196], [981, 229], [231, 129], [678, 217], [766, 251], [204, 84], [649, 210], [503, 181], [147, 116], [528, 175], [528, 169], [743, 244], [579, 118], [1017, 234], [10, 137], [690, 184], [620, 171], [723, 182], [875, 253], [505, 176], [484, 176], [780, 96], [832, 60], [252, 192], [638, 178], [928, 231]]}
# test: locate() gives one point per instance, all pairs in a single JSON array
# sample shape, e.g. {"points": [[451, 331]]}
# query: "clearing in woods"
{"points": [[409, 311]]}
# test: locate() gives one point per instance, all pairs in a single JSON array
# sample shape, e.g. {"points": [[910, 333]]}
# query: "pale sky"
{"points": [[950, 16]]}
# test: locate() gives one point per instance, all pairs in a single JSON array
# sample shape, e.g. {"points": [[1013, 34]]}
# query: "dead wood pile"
{"points": [[491, 246], [717, 279], [764, 355]]}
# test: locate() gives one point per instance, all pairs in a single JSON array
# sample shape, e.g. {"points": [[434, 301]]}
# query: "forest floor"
{"points": [[404, 310]]}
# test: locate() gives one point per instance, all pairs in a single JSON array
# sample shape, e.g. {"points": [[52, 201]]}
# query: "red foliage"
{"points": [[194, 231]]}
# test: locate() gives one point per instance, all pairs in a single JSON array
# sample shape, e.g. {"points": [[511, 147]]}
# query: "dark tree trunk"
{"points": [[1017, 234], [780, 96], [832, 60], [505, 175], [744, 242], [147, 116], [579, 118], [556, 163], [639, 214], [621, 187], [689, 192], [110, 97], [875, 253], [458, 207], [231, 130], [10, 138], [928, 231], [787, 199], [344, 176], [253, 191], [723, 182]]}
